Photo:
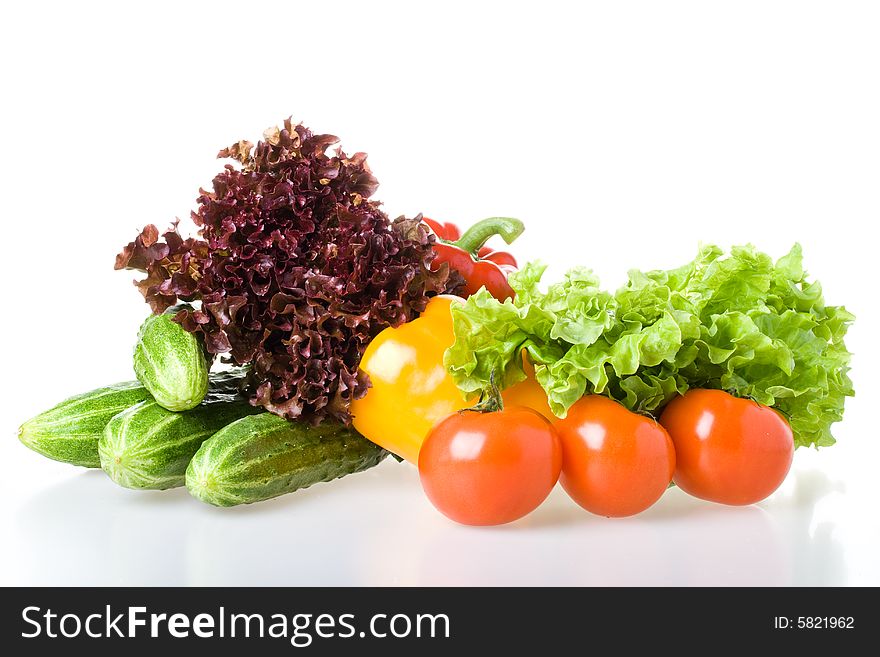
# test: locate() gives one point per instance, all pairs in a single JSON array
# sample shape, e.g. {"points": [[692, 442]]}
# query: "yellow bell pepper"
{"points": [[411, 390], [528, 392]]}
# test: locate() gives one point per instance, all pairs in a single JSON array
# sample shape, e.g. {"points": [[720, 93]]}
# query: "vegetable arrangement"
{"points": [[351, 336]]}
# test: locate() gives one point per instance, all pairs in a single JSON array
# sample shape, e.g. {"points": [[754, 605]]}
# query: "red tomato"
{"points": [[729, 450], [614, 462], [490, 468]]}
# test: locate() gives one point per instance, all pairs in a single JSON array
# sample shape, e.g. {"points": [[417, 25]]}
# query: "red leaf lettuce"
{"points": [[296, 270]]}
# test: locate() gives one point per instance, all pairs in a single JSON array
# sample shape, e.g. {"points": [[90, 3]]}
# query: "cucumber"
{"points": [[69, 432], [148, 447], [170, 362], [264, 456]]}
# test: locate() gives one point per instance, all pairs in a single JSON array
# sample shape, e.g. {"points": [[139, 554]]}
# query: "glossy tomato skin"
{"points": [[615, 462], [490, 468], [729, 450]]}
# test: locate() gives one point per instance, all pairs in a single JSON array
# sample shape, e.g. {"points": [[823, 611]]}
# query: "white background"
{"points": [[623, 134]]}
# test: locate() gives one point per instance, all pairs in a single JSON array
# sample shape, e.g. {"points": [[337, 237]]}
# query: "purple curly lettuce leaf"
{"points": [[296, 270], [172, 265]]}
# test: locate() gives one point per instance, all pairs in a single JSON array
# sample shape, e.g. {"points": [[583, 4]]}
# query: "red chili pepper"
{"points": [[445, 231], [478, 264]]}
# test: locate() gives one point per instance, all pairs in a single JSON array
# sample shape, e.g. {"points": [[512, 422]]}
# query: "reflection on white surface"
{"points": [[376, 528]]}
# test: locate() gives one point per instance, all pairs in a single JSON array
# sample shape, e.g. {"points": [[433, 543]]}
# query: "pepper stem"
{"points": [[476, 236]]}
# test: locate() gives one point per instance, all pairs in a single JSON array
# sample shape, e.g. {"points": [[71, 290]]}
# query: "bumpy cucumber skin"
{"points": [[170, 362], [69, 432], [149, 447], [264, 456]]}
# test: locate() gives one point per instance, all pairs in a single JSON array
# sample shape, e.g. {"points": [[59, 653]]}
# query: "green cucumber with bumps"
{"points": [[170, 362], [264, 456], [149, 447], [69, 432]]}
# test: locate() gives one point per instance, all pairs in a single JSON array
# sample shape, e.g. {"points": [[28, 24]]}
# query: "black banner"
{"points": [[333, 621]]}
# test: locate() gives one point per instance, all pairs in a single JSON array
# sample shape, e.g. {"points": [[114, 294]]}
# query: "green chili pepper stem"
{"points": [[477, 235]]}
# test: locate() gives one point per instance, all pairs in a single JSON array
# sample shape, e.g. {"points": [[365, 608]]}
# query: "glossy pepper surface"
{"points": [[528, 392], [410, 388], [478, 264]]}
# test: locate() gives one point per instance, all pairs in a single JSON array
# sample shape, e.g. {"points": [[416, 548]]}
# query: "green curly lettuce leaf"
{"points": [[740, 323]]}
